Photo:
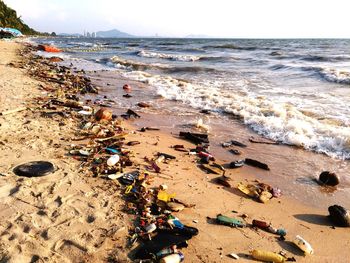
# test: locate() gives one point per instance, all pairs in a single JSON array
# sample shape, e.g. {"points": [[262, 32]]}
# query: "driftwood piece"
{"points": [[256, 163], [7, 112], [262, 141]]}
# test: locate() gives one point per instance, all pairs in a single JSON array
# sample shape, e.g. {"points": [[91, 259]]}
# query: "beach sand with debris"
{"points": [[71, 216]]}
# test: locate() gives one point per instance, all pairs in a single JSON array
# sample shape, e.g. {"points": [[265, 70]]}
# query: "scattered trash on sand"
{"points": [[100, 145]]}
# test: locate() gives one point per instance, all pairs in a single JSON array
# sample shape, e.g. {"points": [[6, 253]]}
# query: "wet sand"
{"points": [[72, 217]]}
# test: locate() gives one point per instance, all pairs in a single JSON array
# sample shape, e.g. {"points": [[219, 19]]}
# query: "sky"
{"points": [[219, 18]]}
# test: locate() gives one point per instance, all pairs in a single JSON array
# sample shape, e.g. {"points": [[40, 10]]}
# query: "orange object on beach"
{"points": [[127, 88], [48, 48]]}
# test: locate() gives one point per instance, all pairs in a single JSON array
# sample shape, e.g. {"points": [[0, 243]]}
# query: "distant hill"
{"points": [[112, 33], [69, 35], [9, 18]]}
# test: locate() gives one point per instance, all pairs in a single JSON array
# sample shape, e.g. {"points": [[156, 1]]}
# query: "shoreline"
{"points": [[182, 176], [293, 169]]}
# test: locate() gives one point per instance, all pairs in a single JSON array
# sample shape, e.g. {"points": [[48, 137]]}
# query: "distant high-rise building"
{"points": [[93, 34]]}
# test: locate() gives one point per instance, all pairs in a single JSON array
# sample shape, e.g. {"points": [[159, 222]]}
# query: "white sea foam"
{"points": [[178, 57], [282, 122]]}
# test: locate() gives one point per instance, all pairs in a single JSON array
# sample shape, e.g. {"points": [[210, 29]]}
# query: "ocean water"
{"points": [[296, 92]]}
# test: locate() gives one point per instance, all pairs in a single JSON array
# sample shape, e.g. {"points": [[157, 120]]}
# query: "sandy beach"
{"points": [[71, 216]]}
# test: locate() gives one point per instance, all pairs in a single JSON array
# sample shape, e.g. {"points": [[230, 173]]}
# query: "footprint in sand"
{"points": [[71, 249]]}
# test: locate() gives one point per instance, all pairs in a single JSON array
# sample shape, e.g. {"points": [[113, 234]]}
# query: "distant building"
{"points": [[93, 34]]}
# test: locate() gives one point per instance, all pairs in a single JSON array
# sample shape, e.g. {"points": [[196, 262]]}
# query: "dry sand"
{"points": [[70, 217], [63, 217]]}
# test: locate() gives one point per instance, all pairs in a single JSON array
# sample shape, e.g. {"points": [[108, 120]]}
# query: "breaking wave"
{"points": [[175, 57], [310, 58], [337, 76], [319, 58], [130, 64], [281, 122], [121, 63], [331, 75]]}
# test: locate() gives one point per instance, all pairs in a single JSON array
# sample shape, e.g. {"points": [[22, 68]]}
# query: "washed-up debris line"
{"points": [[100, 144]]}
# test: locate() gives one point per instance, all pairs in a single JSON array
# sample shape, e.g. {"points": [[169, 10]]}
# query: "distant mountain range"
{"points": [[70, 35], [114, 33]]}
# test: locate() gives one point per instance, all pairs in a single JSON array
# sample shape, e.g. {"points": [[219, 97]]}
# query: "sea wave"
{"points": [[136, 65], [335, 75], [310, 58], [181, 57], [176, 57], [331, 75], [279, 67], [320, 58], [231, 46], [281, 122], [169, 44]]}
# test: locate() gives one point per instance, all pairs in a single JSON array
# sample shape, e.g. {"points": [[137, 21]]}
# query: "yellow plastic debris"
{"points": [[267, 256], [249, 189], [164, 196]]}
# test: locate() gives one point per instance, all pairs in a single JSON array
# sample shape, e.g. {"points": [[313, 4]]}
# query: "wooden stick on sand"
{"points": [[7, 112]]}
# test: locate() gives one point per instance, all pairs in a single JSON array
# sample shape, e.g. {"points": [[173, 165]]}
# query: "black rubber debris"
{"points": [[34, 169]]}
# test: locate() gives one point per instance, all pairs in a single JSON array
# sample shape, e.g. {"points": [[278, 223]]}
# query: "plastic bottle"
{"points": [[173, 258], [165, 252], [175, 222], [280, 231], [303, 245], [160, 159], [267, 256], [269, 228], [206, 155], [150, 228], [113, 160]]}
